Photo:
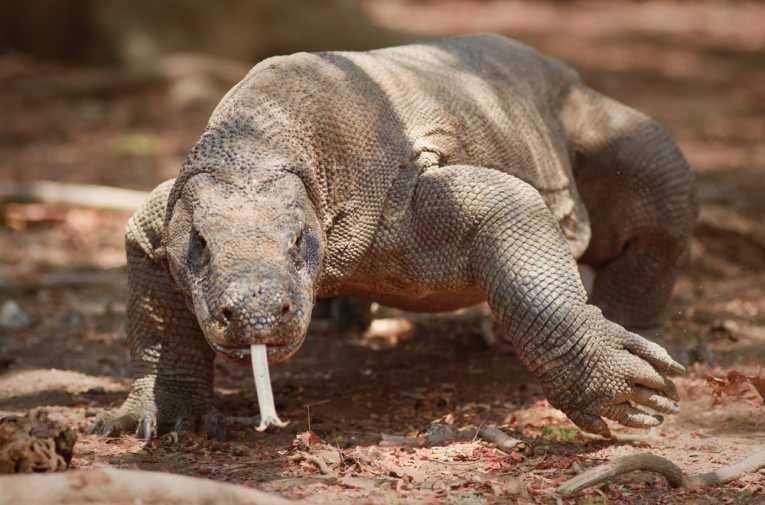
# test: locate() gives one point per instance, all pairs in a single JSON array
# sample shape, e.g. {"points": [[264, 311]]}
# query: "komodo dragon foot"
{"points": [[142, 420]]}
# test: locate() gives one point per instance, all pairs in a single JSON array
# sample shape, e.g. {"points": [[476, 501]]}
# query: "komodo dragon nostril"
{"points": [[286, 308], [226, 314]]}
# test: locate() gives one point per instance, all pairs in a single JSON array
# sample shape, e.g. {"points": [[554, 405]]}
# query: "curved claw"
{"points": [[114, 425], [653, 353], [590, 423], [103, 426], [654, 400], [626, 414], [147, 427]]}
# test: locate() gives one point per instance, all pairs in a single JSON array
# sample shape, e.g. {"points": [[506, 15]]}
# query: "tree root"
{"points": [[653, 463], [110, 485]]}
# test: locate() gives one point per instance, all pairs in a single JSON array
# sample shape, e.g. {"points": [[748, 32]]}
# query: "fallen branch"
{"points": [[653, 463], [110, 485], [53, 280], [83, 195], [439, 434]]}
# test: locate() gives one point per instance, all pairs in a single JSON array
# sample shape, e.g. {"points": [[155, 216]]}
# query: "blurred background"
{"points": [[113, 93]]}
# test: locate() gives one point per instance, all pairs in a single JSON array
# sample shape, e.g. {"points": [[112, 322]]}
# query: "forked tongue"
{"points": [[268, 414]]}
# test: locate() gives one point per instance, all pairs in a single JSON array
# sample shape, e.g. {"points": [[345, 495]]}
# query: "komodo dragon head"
{"points": [[245, 248]]}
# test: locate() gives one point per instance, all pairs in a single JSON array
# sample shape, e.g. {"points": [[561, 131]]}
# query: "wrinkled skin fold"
{"points": [[427, 177]]}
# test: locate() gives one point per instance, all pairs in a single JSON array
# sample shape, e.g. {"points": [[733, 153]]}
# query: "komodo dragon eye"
{"points": [[297, 251], [198, 255]]}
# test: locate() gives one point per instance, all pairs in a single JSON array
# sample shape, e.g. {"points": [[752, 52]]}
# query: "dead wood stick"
{"points": [[728, 473], [442, 434], [83, 195], [653, 463], [53, 280], [111, 485]]}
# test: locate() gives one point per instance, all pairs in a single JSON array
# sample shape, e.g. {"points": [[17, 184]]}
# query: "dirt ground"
{"points": [[698, 67]]}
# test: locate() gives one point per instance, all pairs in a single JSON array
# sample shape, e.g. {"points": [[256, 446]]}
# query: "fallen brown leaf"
{"points": [[306, 439]]}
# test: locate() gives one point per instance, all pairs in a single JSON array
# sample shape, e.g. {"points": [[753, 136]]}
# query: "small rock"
{"points": [[12, 317]]}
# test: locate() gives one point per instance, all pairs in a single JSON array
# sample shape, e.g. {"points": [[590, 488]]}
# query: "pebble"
{"points": [[12, 317]]}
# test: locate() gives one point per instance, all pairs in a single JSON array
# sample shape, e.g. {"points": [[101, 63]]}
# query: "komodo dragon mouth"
{"points": [[279, 348], [277, 353]]}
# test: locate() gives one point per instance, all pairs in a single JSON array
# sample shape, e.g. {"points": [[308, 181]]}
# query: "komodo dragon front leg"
{"points": [[516, 254], [172, 362]]}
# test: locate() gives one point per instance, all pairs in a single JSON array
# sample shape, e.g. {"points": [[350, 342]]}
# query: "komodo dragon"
{"points": [[427, 177]]}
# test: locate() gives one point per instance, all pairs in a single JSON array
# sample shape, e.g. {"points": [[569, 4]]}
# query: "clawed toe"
{"points": [[147, 427], [144, 425], [212, 424], [103, 426]]}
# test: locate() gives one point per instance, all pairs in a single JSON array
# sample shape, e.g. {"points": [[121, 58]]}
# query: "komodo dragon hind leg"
{"points": [[172, 362], [351, 314], [638, 190]]}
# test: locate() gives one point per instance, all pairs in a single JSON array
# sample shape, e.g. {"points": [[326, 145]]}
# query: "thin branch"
{"points": [[54, 280], [83, 195], [442, 434], [653, 463], [728, 473]]}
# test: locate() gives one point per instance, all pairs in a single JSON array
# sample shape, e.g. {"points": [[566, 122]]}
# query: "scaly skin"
{"points": [[428, 177]]}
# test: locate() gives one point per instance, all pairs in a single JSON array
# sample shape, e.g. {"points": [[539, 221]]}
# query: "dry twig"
{"points": [[56, 280], [443, 434], [653, 463], [84, 195]]}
